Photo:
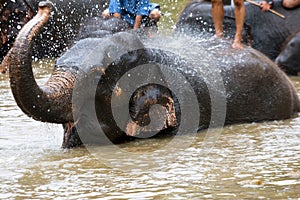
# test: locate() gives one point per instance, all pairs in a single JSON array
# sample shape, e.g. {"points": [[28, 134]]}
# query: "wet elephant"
{"points": [[55, 38], [99, 27], [265, 32], [86, 94], [289, 58]]}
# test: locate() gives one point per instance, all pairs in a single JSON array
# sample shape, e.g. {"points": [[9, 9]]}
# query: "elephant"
{"points": [[13, 16], [99, 79], [100, 27], [55, 39], [264, 31], [289, 58]]}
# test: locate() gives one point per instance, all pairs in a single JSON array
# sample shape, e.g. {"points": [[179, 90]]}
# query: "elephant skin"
{"points": [[61, 31], [265, 31], [97, 27], [289, 58], [85, 88]]}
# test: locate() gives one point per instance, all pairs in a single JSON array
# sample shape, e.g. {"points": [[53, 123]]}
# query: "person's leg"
{"points": [[239, 14], [290, 3], [218, 15]]}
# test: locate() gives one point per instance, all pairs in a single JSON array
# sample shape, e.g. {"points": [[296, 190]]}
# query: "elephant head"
{"points": [[289, 59]]}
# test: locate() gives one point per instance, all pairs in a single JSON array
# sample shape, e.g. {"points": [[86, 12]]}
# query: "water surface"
{"points": [[260, 160]]}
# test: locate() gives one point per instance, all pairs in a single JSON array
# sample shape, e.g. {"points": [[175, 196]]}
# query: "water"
{"points": [[258, 160]]}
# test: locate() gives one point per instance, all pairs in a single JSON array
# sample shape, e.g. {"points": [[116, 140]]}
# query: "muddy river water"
{"points": [[257, 160]]}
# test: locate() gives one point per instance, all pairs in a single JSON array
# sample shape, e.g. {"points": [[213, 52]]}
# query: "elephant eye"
{"points": [[292, 44]]}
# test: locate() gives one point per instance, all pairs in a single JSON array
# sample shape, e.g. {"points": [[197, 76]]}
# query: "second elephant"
{"points": [[265, 31]]}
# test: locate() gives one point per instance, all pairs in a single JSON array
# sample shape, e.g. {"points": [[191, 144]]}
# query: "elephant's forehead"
{"points": [[99, 52], [85, 52]]}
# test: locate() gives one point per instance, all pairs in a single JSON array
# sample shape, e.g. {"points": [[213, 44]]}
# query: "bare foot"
{"points": [[219, 34], [237, 42], [237, 45]]}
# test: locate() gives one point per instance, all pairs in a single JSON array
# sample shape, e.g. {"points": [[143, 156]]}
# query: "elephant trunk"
{"points": [[51, 102]]}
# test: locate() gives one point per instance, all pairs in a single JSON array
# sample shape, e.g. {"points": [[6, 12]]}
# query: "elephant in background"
{"points": [[13, 15], [56, 37], [84, 86], [289, 59], [265, 31]]}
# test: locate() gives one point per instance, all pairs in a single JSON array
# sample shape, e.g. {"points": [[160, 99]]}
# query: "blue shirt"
{"points": [[129, 9]]}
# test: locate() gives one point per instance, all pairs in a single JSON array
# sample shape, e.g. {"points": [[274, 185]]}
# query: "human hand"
{"points": [[264, 6]]}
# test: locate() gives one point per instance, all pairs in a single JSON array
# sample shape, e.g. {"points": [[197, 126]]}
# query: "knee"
{"points": [[154, 15], [238, 3], [287, 4], [106, 13]]}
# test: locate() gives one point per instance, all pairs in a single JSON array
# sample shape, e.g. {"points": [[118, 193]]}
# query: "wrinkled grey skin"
{"points": [[289, 58], [264, 31], [255, 88]]}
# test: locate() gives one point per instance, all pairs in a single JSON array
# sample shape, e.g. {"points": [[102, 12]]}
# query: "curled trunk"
{"points": [[51, 102]]}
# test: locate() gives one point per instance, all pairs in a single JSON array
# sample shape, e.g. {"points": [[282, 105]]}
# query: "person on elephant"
{"points": [[136, 13], [290, 4], [239, 13]]}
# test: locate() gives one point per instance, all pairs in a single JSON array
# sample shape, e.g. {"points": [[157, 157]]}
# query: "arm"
{"points": [[142, 10], [137, 21]]}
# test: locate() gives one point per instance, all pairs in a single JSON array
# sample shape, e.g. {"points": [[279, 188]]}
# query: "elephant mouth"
{"points": [[288, 68], [151, 120], [71, 138], [153, 109]]}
